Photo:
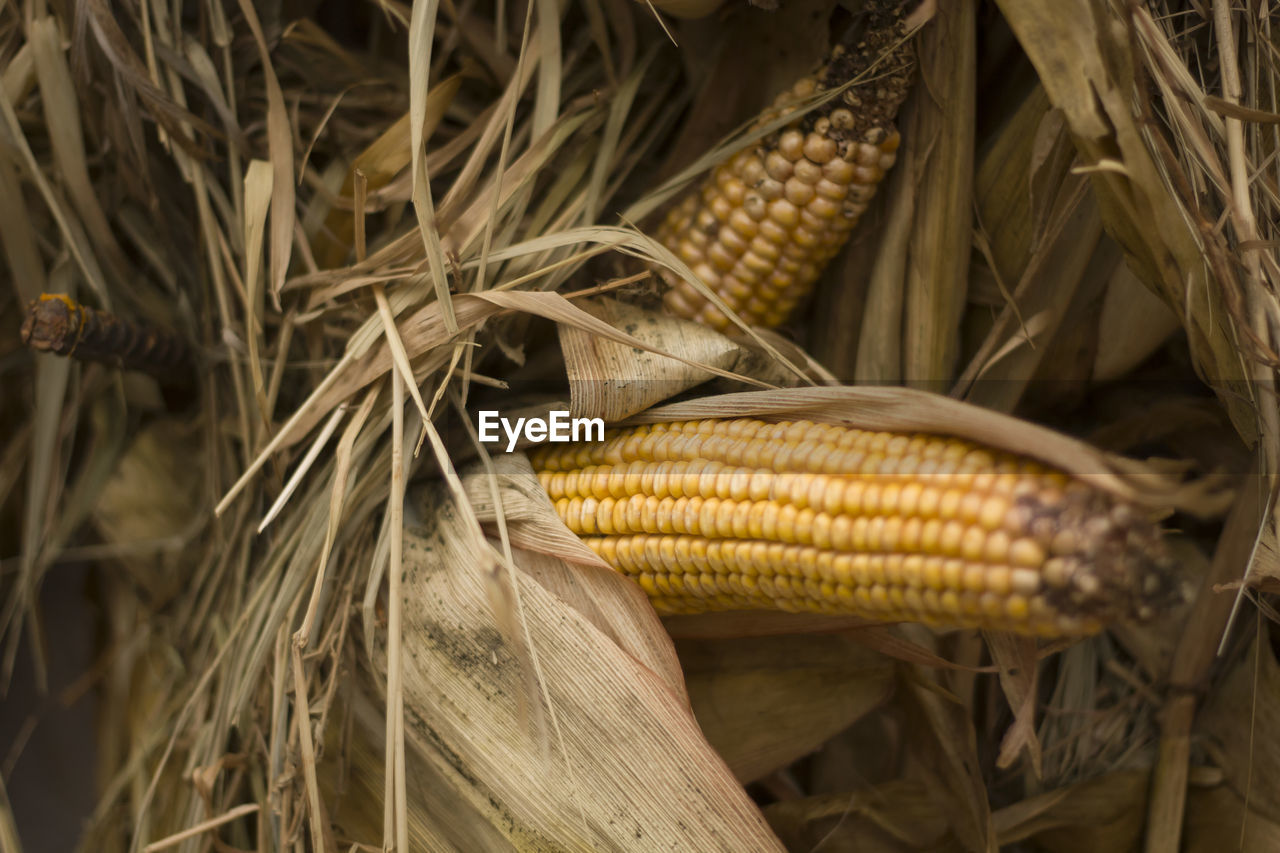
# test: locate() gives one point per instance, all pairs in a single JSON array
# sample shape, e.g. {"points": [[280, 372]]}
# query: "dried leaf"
{"points": [[636, 770], [765, 702], [610, 380]]}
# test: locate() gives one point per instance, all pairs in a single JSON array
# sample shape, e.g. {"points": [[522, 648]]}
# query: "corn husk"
{"points": [[371, 221]]}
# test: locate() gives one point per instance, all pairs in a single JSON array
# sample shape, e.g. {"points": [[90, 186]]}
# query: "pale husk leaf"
{"points": [[910, 410], [610, 380], [635, 761]]}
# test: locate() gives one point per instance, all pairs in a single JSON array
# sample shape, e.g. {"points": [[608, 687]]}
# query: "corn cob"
{"points": [[742, 514], [761, 229]]}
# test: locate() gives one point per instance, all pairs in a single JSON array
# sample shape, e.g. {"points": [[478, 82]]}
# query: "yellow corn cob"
{"points": [[742, 514], [764, 225]]}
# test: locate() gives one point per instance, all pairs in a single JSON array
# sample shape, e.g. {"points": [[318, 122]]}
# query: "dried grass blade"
{"points": [[199, 829], [546, 102], [259, 189], [947, 746], [72, 232], [280, 147], [424, 331], [1110, 806], [62, 125], [396, 345], [9, 840], [313, 453], [421, 32], [286, 431], [381, 161], [1008, 358], [19, 73], [302, 719], [342, 468], [937, 272], [619, 110], [395, 819], [1019, 675], [26, 270], [879, 357]]}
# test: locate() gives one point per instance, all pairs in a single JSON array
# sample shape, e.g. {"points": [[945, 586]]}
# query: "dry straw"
{"points": [[332, 619]]}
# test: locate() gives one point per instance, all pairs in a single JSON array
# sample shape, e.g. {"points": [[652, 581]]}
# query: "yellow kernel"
{"points": [[808, 172], [819, 149], [739, 523], [997, 547], [973, 543], [862, 596], [719, 256], [893, 570], [832, 495], [950, 538], [908, 498], [999, 579], [991, 515], [953, 574], [890, 496], [777, 165], [798, 191], [838, 171], [1026, 553], [791, 144], [931, 573], [773, 231], [875, 533], [975, 577], [1024, 581], [846, 569], [891, 534], [913, 570], [931, 537], [824, 208], [970, 507], [841, 532], [879, 598], [724, 519], [787, 524]]}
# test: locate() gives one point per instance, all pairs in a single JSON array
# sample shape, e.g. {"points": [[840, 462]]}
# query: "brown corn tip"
{"points": [[765, 224], [57, 324], [742, 514]]}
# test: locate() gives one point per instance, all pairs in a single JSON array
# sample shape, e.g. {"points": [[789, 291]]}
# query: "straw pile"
{"points": [[332, 620]]}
